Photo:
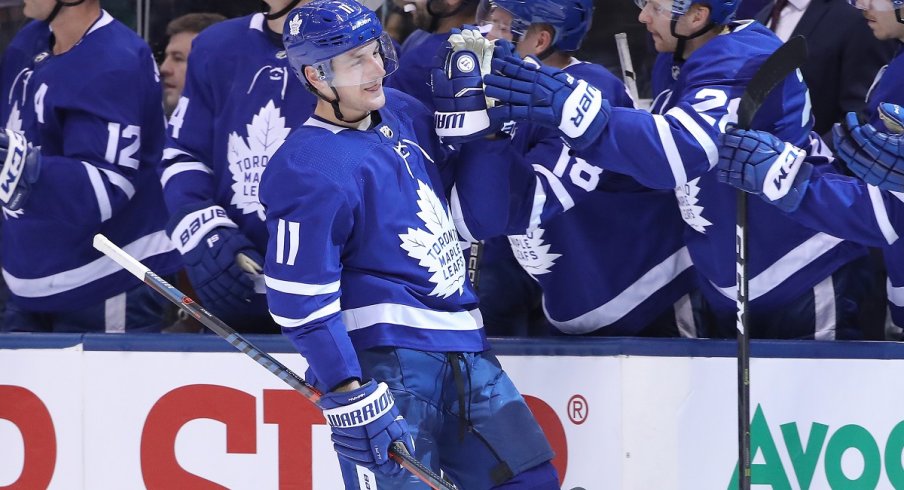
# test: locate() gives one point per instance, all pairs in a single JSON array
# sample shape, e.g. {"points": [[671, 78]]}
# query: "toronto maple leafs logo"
{"points": [[14, 122], [687, 203], [248, 157], [437, 248], [295, 25], [533, 253]]}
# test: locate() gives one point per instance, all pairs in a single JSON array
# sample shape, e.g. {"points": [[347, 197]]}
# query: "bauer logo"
{"points": [[295, 25], [584, 101]]}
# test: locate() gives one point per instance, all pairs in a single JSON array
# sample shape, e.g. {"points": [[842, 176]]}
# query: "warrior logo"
{"points": [[437, 248], [532, 253], [248, 157]]}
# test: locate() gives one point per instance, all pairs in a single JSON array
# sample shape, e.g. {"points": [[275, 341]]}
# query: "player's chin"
{"points": [[374, 96]]}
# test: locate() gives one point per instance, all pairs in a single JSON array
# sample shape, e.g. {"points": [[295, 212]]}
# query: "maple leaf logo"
{"points": [[437, 248], [248, 157], [533, 253], [687, 202], [14, 122]]}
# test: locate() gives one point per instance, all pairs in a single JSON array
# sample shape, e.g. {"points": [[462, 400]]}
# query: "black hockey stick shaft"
{"points": [[397, 451], [780, 64]]}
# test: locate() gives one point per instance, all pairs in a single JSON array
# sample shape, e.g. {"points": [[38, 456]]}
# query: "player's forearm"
{"points": [[329, 352]]}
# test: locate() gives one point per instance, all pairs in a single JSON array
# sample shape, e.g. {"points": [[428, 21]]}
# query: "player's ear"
{"points": [[545, 37], [699, 15], [313, 78]]}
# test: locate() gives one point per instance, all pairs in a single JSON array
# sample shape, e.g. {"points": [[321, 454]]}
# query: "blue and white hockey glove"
{"points": [[364, 422], [461, 108], [759, 163], [21, 168], [547, 96], [219, 260], [875, 157]]}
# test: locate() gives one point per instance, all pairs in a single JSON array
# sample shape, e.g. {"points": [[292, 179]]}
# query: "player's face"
{"points": [[656, 15], [881, 19], [173, 68], [38, 9], [364, 64], [500, 23]]}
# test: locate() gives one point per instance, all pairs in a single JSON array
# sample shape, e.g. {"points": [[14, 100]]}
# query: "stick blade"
{"points": [[777, 67]]}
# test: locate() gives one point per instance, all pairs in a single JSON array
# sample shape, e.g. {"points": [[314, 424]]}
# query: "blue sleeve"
{"points": [[187, 169], [663, 151], [849, 208], [110, 135], [501, 191], [308, 221]]}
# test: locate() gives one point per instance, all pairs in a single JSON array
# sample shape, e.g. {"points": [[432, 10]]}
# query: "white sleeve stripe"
{"points": [[899, 195], [557, 188], [458, 217], [180, 167], [120, 181], [671, 150], [536, 211], [293, 241], [170, 153], [280, 240], [875, 198], [300, 288], [297, 322], [100, 192], [703, 139]]}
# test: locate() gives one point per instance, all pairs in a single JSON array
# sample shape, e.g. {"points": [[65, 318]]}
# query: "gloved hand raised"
{"points": [[874, 156], [759, 163], [364, 423], [547, 96], [20, 170]]}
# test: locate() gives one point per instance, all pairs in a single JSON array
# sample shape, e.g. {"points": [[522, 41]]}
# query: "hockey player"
{"points": [[434, 20], [800, 285], [181, 31], [230, 120], [841, 206], [366, 276], [598, 269], [79, 156]]}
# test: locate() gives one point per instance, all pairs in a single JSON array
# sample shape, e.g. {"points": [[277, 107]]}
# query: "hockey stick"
{"points": [[780, 64], [627, 66], [397, 451]]}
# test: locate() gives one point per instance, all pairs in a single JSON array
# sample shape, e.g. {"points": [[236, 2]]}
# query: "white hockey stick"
{"points": [[627, 66]]}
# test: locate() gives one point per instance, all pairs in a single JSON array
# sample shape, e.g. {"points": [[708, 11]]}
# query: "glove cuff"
{"points": [[195, 225], [460, 123], [781, 177], [362, 411], [580, 109]]}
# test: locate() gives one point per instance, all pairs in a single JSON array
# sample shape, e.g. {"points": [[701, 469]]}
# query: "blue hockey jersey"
{"points": [[884, 89], [675, 147], [417, 59], [100, 146], [362, 250], [595, 263], [240, 102]]}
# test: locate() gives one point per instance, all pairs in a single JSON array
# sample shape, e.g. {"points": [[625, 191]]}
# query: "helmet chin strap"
{"points": [[334, 103], [59, 6], [284, 11], [682, 40]]}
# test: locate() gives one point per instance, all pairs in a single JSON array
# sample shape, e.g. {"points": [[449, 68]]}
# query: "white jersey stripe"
{"points": [[280, 241], [703, 139], [178, 168], [556, 186], [671, 150], [300, 288], [409, 316], [147, 246], [100, 191], [294, 227], [635, 294], [458, 217], [536, 211], [783, 268], [895, 294], [120, 181], [875, 198], [297, 322], [824, 302]]}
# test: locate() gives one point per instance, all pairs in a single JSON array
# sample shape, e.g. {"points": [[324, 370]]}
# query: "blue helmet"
{"points": [[319, 31], [570, 19], [721, 12]]}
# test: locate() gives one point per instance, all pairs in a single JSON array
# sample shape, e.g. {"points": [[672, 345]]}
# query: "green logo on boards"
{"points": [[804, 456]]}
